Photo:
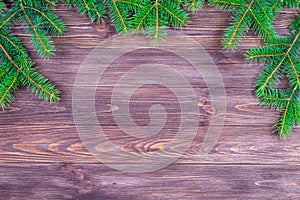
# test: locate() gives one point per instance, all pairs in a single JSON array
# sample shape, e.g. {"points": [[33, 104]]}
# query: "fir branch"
{"points": [[277, 5], [2, 7], [253, 14], [9, 18], [15, 43], [282, 56], [287, 121], [93, 8], [31, 79], [39, 40], [2, 73], [192, 5], [53, 3], [118, 16], [54, 26], [7, 86], [16, 67], [149, 18], [280, 63], [39, 85]]}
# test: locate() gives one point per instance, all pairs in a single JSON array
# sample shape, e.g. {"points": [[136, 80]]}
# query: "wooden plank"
{"points": [[242, 108], [237, 144], [75, 181]]}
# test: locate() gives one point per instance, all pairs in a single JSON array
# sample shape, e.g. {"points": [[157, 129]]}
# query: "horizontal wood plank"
{"points": [[50, 144], [75, 181]]}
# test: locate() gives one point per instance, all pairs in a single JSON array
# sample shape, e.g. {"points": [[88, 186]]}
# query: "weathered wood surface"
{"points": [[42, 157]]}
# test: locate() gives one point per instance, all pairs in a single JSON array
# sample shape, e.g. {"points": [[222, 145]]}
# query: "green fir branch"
{"points": [[255, 14], [282, 58], [16, 68]]}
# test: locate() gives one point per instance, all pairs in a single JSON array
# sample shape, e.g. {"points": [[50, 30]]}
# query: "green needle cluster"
{"points": [[16, 68]]}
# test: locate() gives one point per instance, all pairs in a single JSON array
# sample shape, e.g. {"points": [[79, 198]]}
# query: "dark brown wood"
{"points": [[177, 181], [42, 157]]}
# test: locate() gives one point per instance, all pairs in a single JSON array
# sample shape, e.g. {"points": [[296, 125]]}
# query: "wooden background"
{"points": [[42, 157]]}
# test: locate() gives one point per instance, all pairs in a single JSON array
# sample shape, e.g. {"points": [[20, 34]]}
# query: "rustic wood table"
{"points": [[42, 156]]}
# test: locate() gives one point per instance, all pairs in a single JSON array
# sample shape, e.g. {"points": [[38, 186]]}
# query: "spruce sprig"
{"points": [[16, 68], [151, 16], [119, 11], [256, 14], [93, 8], [154, 16], [282, 58], [280, 54]]}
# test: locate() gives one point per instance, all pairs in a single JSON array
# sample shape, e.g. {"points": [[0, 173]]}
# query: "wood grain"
{"points": [[187, 181], [42, 156]]}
